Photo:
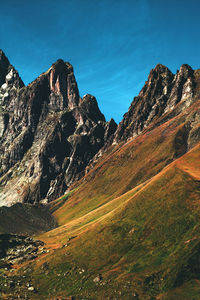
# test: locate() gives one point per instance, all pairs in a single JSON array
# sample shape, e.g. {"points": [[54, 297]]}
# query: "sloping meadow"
{"points": [[130, 228]]}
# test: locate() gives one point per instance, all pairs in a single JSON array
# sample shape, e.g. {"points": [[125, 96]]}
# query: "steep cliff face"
{"points": [[48, 133], [163, 96]]}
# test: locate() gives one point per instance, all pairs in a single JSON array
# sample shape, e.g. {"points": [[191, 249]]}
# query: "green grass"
{"points": [[144, 243]]}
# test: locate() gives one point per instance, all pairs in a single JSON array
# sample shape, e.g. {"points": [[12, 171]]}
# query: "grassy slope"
{"points": [[134, 220], [124, 168], [147, 242]]}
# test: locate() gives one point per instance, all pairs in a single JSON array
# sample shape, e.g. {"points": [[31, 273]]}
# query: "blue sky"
{"points": [[112, 44]]}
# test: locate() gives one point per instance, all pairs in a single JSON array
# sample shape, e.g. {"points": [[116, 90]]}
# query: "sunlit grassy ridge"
{"points": [[133, 219], [147, 239]]}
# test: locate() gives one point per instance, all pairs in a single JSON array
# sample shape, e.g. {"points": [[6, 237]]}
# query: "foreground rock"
{"points": [[15, 249]]}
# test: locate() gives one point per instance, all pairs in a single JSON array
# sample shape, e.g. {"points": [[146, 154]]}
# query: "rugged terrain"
{"points": [[48, 133], [128, 219]]}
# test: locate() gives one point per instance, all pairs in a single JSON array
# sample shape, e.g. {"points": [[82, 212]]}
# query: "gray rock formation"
{"points": [[48, 133], [163, 96]]}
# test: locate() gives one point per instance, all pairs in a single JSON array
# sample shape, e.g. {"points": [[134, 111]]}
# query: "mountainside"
{"points": [[128, 225], [48, 133], [159, 97]]}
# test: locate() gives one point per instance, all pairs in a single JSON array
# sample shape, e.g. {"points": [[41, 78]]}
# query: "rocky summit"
{"points": [[163, 96], [48, 134]]}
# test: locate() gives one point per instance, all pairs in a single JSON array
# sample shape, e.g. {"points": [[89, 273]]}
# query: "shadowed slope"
{"points": [[26, 219]]}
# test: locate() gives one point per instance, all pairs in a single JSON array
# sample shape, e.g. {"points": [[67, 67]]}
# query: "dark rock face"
{"points": [[10, 83], [158, 98], [48, 133]]}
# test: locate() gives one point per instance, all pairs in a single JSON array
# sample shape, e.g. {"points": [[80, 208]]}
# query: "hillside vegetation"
{"points": [[130, 228]]}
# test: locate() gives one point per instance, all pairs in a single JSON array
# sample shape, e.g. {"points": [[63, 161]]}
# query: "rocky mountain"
{"points": [[48, 134], [50, 137], [163, 96]]}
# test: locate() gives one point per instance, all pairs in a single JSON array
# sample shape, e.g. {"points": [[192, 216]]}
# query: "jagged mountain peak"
{"points": [[160, 95], [48, 136], [90, 105], [59, 85], [59, 63], [160, 71], [89, 97], [160, 68], [9, 76], [60, 67], [62, 82], [186, 67], [185, 71], [3, 56]]}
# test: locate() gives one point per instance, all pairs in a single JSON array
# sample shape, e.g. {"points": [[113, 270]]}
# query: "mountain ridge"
{"points": [[72, 132], [162, 92], [52, 102]]}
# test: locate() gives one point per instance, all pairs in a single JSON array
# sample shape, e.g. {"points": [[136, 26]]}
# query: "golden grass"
{"points": [[135, 216]]}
